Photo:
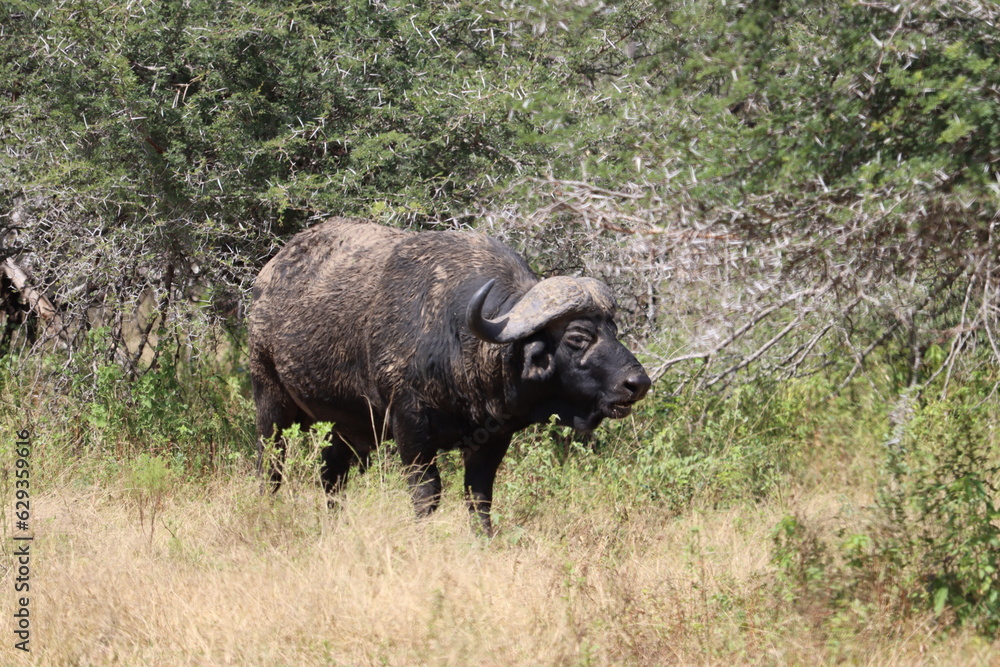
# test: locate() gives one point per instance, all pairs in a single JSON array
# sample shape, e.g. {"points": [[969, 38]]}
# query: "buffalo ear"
{"points": [[538, 362]]}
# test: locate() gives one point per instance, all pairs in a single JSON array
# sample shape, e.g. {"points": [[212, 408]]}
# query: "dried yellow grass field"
{"points": [[225, 576]]}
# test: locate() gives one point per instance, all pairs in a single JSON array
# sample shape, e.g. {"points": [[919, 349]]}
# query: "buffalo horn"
{"points": [[547, 301]]}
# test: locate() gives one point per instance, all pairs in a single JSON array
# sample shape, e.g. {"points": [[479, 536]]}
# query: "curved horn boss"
{"points": [[546, 302]]}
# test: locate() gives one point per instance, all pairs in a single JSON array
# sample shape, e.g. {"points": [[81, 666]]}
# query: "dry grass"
{"points": [[228, 577]]}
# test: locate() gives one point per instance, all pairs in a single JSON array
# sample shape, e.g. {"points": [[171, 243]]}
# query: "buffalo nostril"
{"points": [[637, 384]]}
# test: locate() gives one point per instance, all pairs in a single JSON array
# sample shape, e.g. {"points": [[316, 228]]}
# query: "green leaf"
{"points": [[940, 599], [957, 129]]}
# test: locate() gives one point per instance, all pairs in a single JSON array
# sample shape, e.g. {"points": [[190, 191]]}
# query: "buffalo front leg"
{"points": [[418, 455], [336, 466], [481, 464], [425, 484], [338, 457]]}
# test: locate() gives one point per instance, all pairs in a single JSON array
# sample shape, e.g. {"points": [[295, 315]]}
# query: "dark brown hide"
{"points": [[368, 327]]}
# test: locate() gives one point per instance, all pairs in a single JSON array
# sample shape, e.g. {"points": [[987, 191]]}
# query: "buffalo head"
{"points": [[570, 350]]}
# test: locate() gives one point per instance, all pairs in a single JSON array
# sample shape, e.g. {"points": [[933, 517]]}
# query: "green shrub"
{"points": [[945, 483], [673, 452], [149, 479], [932, 541], [719, 449], [192, 410]]}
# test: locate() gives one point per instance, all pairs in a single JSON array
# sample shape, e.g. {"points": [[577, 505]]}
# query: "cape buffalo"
{"points": [[438, 340]]}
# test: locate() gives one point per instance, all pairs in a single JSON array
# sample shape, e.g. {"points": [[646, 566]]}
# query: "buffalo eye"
{"points": [[578, 339]]}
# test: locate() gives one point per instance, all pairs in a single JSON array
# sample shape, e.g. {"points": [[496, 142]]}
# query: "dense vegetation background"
{"points": [[797, 202]]}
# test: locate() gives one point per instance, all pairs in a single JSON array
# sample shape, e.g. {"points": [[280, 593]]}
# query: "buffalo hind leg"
{"points": [[271, 459], [271, 449], [481, 464], [270, 462], [276, 411]]}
